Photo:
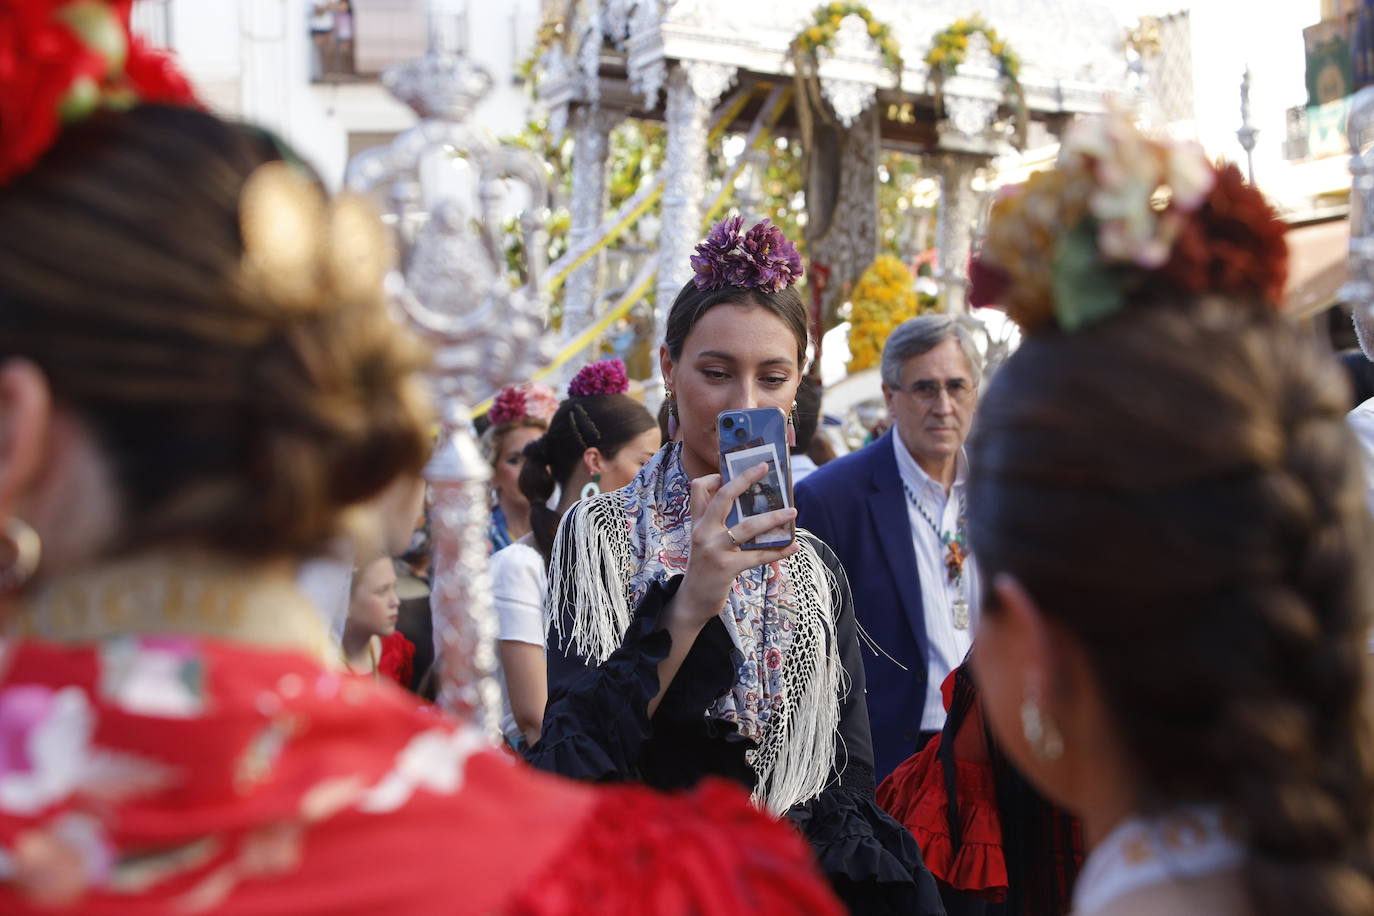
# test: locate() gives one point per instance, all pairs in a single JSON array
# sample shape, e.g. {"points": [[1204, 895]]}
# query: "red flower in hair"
{"points": [[516, 402], [61, 60], [1233, 244], [987, 285], [155, 77]]}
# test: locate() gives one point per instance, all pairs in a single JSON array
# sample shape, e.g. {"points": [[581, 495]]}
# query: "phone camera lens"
{"points": [[728, 422], [739, 434]]}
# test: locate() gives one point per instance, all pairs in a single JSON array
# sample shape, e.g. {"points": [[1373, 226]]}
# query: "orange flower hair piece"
{"points": [[1233, 245], [1122, 214]]}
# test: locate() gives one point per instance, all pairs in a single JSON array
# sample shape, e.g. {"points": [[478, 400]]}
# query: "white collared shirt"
{"points": [[1361, 422], [948, 644]]}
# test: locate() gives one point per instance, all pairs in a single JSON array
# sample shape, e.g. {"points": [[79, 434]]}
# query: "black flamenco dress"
{"points": [[596, 728]]}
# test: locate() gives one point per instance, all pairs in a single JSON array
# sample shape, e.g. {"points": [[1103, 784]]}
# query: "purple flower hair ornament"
{"points": [[761, 258], [604, 377]]}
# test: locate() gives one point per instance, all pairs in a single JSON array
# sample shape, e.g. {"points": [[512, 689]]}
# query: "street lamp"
{"points": [[1248, 132]]}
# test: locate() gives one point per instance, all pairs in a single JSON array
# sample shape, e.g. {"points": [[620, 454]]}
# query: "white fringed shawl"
{"points": [[781, 617]]}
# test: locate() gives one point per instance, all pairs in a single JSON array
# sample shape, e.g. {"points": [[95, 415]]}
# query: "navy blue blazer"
{"points": [[856, 505]]}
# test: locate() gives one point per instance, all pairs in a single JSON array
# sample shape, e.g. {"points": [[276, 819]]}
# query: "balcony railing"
{"points": [[355, 40]]}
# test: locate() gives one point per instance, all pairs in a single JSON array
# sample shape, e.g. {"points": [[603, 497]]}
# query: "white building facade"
{"points": [[309, 69]]}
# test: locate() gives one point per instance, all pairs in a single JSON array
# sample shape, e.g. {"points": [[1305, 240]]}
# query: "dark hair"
{"points": [[807, 416], [606, 422], [691, 303], [1226, 616], [229, 421]]}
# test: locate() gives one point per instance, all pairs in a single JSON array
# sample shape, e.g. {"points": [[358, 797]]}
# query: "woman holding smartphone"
{"points": [[674, 653]]}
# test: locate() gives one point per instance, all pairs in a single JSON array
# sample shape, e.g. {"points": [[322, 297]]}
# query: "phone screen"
{"points": [[748, 438]]}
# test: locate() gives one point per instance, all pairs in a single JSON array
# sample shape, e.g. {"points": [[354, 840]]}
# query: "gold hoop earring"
{"points": [[24, 548], [1040, 729]]}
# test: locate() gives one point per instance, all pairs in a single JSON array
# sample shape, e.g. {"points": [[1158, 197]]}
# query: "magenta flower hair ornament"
{"points": [[604, 377], [761, 258]]}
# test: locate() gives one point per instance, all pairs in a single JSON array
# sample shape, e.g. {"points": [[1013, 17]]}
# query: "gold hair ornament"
{"points": [[302, 253]]}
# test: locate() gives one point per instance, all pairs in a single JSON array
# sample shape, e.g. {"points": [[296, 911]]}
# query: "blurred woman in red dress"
{"points": [[197, 378]]}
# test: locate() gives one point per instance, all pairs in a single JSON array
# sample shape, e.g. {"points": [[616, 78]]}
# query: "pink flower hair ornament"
{"points": [[604, 377], [516, 402], [761, 258]]}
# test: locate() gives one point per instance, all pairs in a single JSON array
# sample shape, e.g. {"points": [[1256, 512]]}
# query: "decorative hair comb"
{"points": [[761, 258], [516, 402], [604, 377], [62, 61], [1121, 211]]}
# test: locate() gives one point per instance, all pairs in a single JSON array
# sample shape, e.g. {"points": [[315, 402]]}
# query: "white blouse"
{"points": [[1191, 842], [519, 581]]}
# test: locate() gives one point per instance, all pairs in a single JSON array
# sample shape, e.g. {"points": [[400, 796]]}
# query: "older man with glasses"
{"points": [[893, 513]]}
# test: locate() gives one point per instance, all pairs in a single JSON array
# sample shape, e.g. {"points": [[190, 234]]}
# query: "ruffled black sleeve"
{"points": [[597, 718], [872, 861], [596, 724]]}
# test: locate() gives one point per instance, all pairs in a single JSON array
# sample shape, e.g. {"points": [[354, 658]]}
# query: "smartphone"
{"points": [[748, 437]]}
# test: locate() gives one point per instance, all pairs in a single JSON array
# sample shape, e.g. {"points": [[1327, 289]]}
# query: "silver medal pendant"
{"points": [[961, 620]]}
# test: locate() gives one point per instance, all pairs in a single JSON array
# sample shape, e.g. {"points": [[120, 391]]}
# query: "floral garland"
{"points": [[1125, 218], [884, 297], [948, 49], [825, 26]]}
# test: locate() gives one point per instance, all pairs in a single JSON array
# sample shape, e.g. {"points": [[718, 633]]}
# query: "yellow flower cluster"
{"points": [[884, 297], [949, 48], [1023, 229]]}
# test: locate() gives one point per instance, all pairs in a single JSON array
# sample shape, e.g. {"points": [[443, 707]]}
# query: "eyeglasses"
{"points": [[960, 390]]}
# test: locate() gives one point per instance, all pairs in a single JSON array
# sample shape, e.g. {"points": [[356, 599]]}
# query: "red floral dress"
{"points": [[176, 774]]}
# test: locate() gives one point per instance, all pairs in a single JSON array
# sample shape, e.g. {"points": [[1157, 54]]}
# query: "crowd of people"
{"points": [[1089, 636]]}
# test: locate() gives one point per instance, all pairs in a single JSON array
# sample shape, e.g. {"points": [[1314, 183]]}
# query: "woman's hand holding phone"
{"points": [[716, 560], [714, 563]]}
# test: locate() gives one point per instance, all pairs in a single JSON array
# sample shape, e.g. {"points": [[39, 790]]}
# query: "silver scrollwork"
{"points": [[684, 189], [848, 98], [851, 38], [447, 190], [969, 117], [647, 79], [1359, 289], [709, 81]]}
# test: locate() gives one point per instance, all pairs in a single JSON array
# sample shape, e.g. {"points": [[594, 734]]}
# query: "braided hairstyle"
{"points": [[1225, 617], [606, 422]]}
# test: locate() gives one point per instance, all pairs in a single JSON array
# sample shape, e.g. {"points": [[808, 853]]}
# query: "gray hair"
{"points": [[918, 336]]}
